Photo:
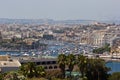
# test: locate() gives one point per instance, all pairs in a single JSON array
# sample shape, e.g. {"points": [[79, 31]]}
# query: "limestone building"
{"points": [[7, 64]]}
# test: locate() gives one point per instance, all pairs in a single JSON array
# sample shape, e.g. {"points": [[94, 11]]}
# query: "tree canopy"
{"points": [[103, 49]]}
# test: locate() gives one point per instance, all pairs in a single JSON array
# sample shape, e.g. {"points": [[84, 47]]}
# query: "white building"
{"points": [[97, 37], [7, 64]]}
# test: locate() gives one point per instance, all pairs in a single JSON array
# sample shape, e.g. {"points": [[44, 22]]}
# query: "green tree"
{"points": [[96, 70], [62, 63], [103, 49], [53, 73], [1, 77], [40, 71], [13, 75], [115, 76], [32, 70], [107, 47], [82, 64], [28, 69], [71, 61]]}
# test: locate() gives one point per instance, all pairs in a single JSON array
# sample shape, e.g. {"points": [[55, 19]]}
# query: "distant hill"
{"points": [[43, 21], [111, 21], [50, 21]]}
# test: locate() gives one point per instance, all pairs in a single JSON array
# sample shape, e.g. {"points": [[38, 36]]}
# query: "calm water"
{"points": [[115, 66], [8, 52]]}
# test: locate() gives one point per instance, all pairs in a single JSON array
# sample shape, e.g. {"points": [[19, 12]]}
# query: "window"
{"points": [[43, 63], [38, 63], [50, 67], [55, 67]]}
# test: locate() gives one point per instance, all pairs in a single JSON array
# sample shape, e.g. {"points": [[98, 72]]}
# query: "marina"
{"points": [[55, 48]]}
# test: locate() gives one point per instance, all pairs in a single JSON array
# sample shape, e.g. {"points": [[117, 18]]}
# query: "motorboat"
{"points": [[25, 54]]}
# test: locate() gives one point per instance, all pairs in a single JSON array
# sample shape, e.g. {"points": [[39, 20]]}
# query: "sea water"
{"points": [[115, 66]]}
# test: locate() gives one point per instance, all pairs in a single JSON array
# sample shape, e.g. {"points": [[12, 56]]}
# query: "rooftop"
{"points": [[4, 57], [5, 61]]}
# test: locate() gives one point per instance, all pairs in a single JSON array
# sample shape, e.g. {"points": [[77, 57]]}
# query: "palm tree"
{"points": [[62, 63], [23, 69], [31, 69], [96, 70], [1, 76], [40, 71], [28, 69], [71, 62], [82, 63]]}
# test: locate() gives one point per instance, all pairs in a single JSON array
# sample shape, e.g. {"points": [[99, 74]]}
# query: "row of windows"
{"points": [[46, 62], [51, 67], [43, 62]]}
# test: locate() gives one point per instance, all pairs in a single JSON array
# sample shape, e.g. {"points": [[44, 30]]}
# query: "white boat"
{"points": [[25, 54]]}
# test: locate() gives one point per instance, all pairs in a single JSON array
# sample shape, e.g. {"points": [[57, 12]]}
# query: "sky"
{"points": [[60, 9]]}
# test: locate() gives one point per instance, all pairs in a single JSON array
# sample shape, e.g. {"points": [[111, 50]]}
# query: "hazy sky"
{"points": [[60, 9]]}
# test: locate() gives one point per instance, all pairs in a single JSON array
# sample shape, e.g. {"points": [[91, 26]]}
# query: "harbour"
{"points": [[114, 64]]}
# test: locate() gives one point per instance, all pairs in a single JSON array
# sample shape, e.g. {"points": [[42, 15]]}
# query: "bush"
{"points": [[53, 74], [115, 76]]}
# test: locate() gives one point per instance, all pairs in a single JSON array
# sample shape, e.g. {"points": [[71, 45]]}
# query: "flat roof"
{"points": [[4, 57], [13, 63]]}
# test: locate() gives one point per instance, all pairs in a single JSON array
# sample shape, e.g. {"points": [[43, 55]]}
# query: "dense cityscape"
{"points": [[27, 36], [42, 44], [59, 39]]}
